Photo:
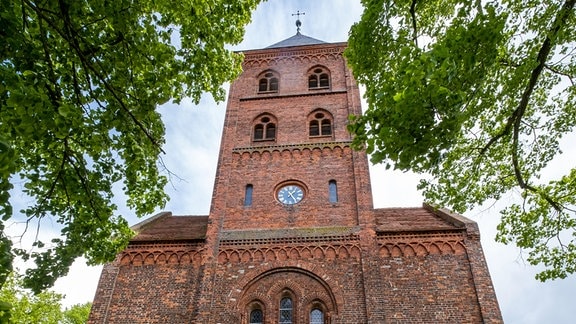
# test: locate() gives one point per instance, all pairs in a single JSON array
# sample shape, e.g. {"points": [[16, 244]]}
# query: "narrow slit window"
{"points": [[316, 316], [332, 191], [248, 195], [285, 311]]}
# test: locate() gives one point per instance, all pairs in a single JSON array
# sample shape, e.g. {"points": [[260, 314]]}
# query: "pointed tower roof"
{"points": [[297, 40]]}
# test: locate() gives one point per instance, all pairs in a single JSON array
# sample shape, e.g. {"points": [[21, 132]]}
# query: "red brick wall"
{"points": [[358, 265]]}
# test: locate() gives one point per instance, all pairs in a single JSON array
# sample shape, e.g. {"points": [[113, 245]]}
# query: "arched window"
{"points": [[248, 195], [332, 191], [320, 124], [318, 78], [268, 82], [256, 317], [264, 129], [316, 316], [285, 311]]}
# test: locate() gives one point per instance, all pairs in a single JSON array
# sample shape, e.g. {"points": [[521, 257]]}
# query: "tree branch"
{"points": [[73, 42], [543, 53], [413, 15]]}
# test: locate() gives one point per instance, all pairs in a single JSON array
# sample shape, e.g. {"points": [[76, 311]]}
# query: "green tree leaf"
{"points": [[476, 94], [81, 83]]}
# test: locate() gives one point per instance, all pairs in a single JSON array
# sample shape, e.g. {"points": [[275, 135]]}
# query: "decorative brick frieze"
{"points": [[328, 251], [139, 255], [421, 244], [255, 152], [268, 58], [298, 95]]}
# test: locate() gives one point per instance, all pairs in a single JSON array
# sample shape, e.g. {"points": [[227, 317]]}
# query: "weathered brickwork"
{"points": [[342, 259]]}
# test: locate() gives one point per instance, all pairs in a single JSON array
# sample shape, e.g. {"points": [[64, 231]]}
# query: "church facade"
{"points": [[292, 235]]}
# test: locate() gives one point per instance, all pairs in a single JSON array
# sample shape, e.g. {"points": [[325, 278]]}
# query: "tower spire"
{"points": [[298, 22]]}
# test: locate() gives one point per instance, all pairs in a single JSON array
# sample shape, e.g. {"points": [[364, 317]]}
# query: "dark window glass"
{"points": [[332, 191], [314, 129], [318, 79], [312, 81], [248, 195], [326, 127], [271, 131], [273, 84], [263, 85], [324, 80], [285, 311], [256, 317], [269, 83], [316, 316], [259, 132]]}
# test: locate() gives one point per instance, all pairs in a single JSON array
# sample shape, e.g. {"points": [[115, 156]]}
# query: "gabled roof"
{"points": [[425, 218], [165, 227], [297, 40]]}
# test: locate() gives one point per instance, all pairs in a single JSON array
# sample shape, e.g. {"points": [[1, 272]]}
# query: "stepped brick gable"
{"points": [[292, 235]]}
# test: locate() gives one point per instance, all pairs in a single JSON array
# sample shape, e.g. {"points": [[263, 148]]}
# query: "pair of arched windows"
{"points": [[268, 83], [319, 125], [318, 78], [264, 129], [286, 314]]}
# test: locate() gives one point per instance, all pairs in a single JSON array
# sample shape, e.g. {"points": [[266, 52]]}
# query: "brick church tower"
{"points": [[292, 235]]}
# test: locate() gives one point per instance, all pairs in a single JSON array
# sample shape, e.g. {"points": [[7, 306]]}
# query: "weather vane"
{"points": [[298, 22]]}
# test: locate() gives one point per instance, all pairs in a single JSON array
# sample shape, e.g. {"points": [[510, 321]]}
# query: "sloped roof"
{"points": [[297, 40], [414, 219], [165, 227]]}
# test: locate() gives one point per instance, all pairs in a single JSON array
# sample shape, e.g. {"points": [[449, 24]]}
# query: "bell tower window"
{"points": [[264, 129], [268, 82], [318, 78], [320, 124]]}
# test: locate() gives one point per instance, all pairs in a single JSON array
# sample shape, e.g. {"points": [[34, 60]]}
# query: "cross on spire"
{"points": [[298, 22]]}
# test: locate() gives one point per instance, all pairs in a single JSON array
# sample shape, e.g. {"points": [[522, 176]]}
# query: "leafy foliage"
{"points": [[77, 314], [477, 95], [80, 84], [22, 306], [19, 305]]}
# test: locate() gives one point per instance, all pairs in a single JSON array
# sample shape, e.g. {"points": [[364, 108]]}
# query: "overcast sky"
{"points": [[193, 139]]}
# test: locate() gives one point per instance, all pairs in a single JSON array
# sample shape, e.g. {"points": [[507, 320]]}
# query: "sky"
{"points": [[192, 145]]}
